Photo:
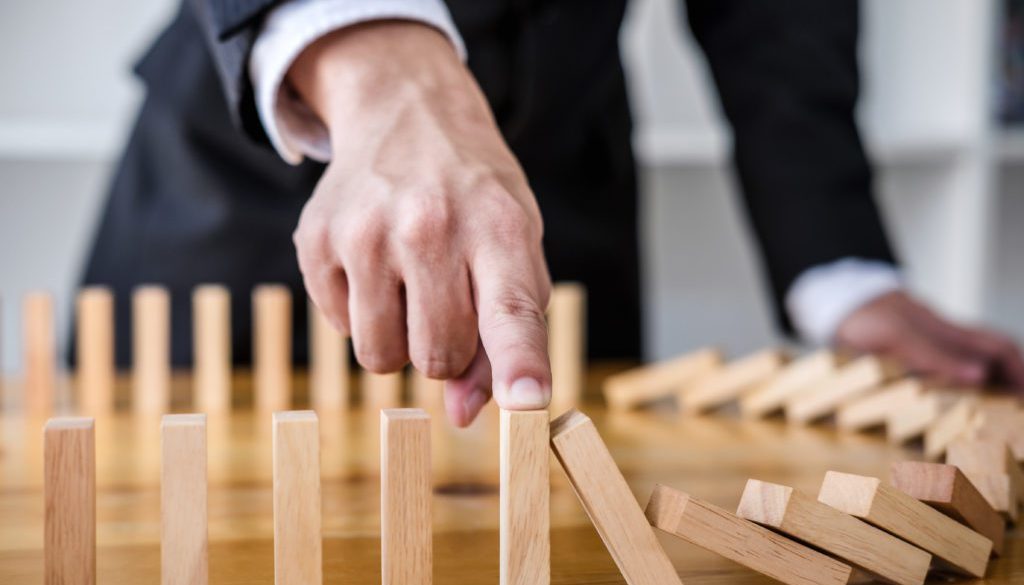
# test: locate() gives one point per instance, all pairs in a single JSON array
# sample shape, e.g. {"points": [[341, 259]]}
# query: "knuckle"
{"points": [[426, 221]]}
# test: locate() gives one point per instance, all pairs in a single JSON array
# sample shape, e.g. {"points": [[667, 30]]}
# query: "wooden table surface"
{"points": [[710, 457]]}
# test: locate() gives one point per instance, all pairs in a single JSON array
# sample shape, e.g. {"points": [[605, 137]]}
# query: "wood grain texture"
{"points": [[992, 468], [94, 347], [841, 535], [851, 381], [873, 409], [793, 379], [69, 476], [951, 425], [151, 350], [730, 382], [406, 533], [608, 501], [914, 418], [742, 541], [39, 353], [946, 489], [567, 344], [867, 498], [272, 347], [298, 540], [211, 348], [329, 376], [525, 540], [183, 500], [644, 385]]}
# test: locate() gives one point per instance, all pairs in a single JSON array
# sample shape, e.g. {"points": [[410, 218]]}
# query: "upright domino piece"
{"points": [[211, 348], [841, 535], [641, 386], [742, 541], [69, 477], [183, 540], [874, 409], [94, 346], [40, 353], [992, 468], [272, 346], [851, 381], [525, 539], [914, 418], [151, 349], [608, 501], [328, 364], [567, 344], [867, 498], [946, 489], [950, 426], [298, 540], [406, 535], [732, 381], [771, 395], [381, 391]]}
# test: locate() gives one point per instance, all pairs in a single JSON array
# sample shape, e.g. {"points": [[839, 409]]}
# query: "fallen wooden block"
{"points": [[94, 348], [641, 386], [151, 350], [913, 419], [841, 535], [567, 344], [298, 535], [728, 383], [211, 348], [69, 493], [992, 468], [946, 489], [795, 377], [608, 501], [854, 379], [873, 409], [183, 502], [272, 347], [406, 534], [957, 546], [950, 426], [525, 536], [994, 421], [742, 541]]}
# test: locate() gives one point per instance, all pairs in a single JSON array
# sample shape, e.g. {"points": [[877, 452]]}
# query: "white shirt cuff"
{"points": [[823, 296], [292, 127]]}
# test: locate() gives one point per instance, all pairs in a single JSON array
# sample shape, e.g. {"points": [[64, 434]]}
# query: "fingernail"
{"points": [[473, 403], [525, 394]]}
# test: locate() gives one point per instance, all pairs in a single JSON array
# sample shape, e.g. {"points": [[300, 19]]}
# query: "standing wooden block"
{"points": [[151, 349], [406, 535], [426, 393], [567, 344], [381, 391], [525, 537], [183, 541], [874, 409], [794, 378], [841, 535], [40, 353], [992, 468], [272, 346], [211, 347], [69, 451], [946, 489], [732, 381], [608, 501], [851, 381], [298, 541], [913, 420], [94, 346], [867, 498], [328, 364], [641, 386], [950, 426], [742, 541]]}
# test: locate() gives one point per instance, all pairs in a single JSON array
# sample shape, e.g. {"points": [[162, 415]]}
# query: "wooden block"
{"points": [[1005, 423], [69, 454], [94, 347], [728, 383], [962, 549], [298, 540], [567, 344], [873, 409], [742, 541], [406, 535], [183, 541], [328, 364], [525, 539], [272, 347], [851, 381], [641, 386], [426, 393], [607, 499], [992, 468], [794, 378], [40, 353], [946, 489], [151, 349], [211, 348], [950, 426], [381, 391], [841, 535], [914, 418]]}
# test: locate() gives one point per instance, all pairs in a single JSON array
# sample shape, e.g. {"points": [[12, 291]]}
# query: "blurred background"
{"points": [[943, 94]]}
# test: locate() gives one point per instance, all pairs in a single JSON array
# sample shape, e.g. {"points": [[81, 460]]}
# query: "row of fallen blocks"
{"points": [[931, 517]]}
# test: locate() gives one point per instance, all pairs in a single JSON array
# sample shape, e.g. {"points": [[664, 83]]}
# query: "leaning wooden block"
{"points": [[607, 499], [855, 379], [567, 339], [742, 541], [731, 381], [1005, 423], [40, 353], [69, 478], [298, 541], [913, 420], [771, 395], [406, 535], [950, 426], [525, 538], [946, 489], [646, 384], [183, 540], [873, 409], [867, 498], [992, 468], [841, 535], [272, 347]]}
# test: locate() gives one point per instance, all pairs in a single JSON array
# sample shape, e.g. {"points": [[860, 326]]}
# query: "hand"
{"points": [[423, 231], [897, 326]]}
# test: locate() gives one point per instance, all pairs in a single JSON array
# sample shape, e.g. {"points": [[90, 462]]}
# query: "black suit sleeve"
{"points": [[786, 72]]}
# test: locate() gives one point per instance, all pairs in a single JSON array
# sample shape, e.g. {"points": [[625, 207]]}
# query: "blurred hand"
{"points": [[422, 239], [897, 326]]}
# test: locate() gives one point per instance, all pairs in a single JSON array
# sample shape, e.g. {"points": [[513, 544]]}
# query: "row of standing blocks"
{"points": [[930, 517]]}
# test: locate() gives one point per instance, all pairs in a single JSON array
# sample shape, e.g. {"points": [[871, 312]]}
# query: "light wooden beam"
{"points": [[329, 377], [873, 409], [915, 417], [850, 382], [151, 350], [211, 348], [797, 376], [40, 353], [381, 391], [948, 427], [298, 536], [94, 347], [184, 558], [405, 500], [992, 468], [567, 344], [525, 541], [69, 493], [729, 383], [641, 386], [272, 347]]}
